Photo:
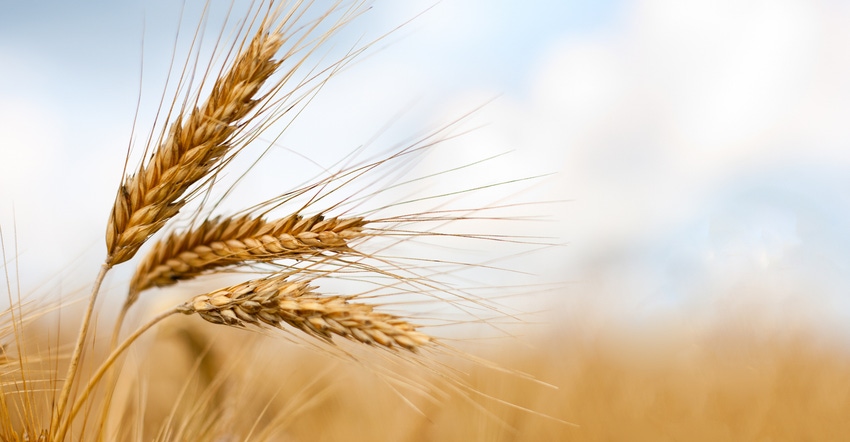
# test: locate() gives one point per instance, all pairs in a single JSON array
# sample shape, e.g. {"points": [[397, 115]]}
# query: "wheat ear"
{"points": [[221, 242], [194, 148], [273, 300]]}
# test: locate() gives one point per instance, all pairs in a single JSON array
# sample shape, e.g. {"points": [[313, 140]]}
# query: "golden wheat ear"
{"points": [[225, 242], [195, 147], [270, 301]]}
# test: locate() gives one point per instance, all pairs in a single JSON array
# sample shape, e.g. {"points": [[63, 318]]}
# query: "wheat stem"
{"points": [[105, 366], [116, 332], [78, 351]]}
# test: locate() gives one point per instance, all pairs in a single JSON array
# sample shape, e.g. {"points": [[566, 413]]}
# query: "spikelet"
{"points": [[273, 300], [194, 148], [222, 242]]}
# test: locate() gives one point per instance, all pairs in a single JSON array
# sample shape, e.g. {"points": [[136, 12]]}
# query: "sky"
{"points": [[700, 148]]}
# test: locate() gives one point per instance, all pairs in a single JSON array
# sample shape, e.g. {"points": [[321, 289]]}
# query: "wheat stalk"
{"points": [[221, 242], [273, 300]]}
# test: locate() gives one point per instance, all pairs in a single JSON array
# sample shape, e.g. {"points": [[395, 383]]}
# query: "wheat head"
{"points": [[229, 241], [194, 148], [273, 300]]}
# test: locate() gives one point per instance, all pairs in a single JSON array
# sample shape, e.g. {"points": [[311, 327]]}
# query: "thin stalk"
{"points": [[81, 400], [78, 351], [107, 400]]}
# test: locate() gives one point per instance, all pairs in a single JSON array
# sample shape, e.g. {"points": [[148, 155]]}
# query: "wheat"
{"points": [[274, 300], [221, 242], [194, 147], [199, 142], [186, 159]]}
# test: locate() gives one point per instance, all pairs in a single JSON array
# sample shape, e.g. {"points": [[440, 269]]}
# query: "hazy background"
{"points": [[702, 146]]}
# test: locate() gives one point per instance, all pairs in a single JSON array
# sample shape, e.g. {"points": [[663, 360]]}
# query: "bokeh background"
{"points": [[700, 150]]}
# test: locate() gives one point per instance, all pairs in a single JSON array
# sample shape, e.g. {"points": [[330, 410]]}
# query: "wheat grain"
{"points": [[194, 147], [273, 300], [221, 242]]}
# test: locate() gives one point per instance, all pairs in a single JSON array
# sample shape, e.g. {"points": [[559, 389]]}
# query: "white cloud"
{"points": [[688, 117]]}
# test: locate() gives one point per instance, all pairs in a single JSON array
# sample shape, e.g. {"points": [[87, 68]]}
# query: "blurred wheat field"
{"points": [[729, 385], [734, 335]]}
